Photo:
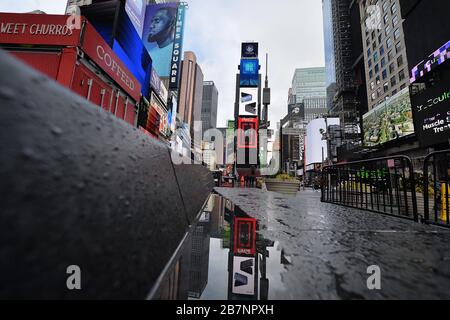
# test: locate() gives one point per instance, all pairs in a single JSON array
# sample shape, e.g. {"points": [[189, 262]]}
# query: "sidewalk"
{"points": [[331, 247]]}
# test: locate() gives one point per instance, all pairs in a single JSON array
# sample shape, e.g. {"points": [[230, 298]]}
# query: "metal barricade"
{"points": [[436, 187], [383, 185]]}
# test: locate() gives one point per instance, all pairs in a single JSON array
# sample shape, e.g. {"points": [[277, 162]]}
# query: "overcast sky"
{"points": [[290, 31]]}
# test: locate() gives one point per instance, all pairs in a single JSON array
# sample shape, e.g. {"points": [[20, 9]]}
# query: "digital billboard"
{"points": [[117, 29], [247, 133], [136, 11], [249, 73], [244, 275], [245, 236], [431, 110], [248, 102], [389, 121], [249, 50], [158, 35]]}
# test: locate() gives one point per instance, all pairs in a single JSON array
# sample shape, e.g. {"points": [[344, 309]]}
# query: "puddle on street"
{"points": [[224, 257]]}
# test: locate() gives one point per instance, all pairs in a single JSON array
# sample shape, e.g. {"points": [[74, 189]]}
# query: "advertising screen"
{"points": [[136, 11], [389, 121], [244, 275], [249, 73], [314, 142], [431, 111], [248, 102], [249, 50], [158, 35], [245, 236], [247, 133]]}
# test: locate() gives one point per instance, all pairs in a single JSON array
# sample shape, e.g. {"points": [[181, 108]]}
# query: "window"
{"points": [[372, 85], [390, 55], [386, 18], [395, 21], [403, 86], [383, 62], [384, 74], [381, 50], [401, 75], [385, 6], [369, 63], [377, 68], [389, 43], [400, 61], [375, 57], [394, 9], [397, 34], [378, 80], [379, 92], [388, 29], [380, 37], [393, 81], [398, 47], [391, 68], [369, 52], [386, 87], [394, 92], [373, 35], [371, 74], [373, 96]]}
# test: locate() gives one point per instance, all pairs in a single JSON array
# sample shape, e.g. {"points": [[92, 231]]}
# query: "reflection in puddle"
{"points": [[225, 257]]}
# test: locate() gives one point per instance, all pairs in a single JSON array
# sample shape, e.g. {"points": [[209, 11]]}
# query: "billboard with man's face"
{"points": [[158, 35]]}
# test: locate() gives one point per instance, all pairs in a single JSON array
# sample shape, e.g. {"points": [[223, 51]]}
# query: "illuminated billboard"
{"points": [[249, 50], [389, 121], [158, 35], [136, 11], [245, 236], [316, 149], [247, 133], [248, 102], [244, 275], [249, 73], [431, 110]]}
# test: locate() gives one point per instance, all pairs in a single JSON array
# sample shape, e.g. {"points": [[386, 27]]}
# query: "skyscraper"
{"points": [[190, 96], [309, 89], [309, 83], [330, 65], [209, 105], [347, 50], [384, 49]]}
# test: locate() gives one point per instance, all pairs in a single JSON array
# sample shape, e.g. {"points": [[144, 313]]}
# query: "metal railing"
{"points": [[383, 185], [436, 187]]}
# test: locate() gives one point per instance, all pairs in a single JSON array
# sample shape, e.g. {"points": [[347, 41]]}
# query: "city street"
{"points": [[239, 150]]}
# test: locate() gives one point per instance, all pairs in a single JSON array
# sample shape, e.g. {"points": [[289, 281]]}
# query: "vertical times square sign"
{"points": [[177, 47]]}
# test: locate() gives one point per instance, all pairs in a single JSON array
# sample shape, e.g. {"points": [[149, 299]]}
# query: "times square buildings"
{"points": [[391, 60]]}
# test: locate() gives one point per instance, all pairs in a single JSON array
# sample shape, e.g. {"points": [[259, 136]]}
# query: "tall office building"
{"points": [[209, 105], [309, 90], [330, 65], [190, 98], [384, 49], [345, 104], [309, 83]]}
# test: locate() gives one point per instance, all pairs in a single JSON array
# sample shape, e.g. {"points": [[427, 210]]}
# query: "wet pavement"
{"points": [[306, 249]]}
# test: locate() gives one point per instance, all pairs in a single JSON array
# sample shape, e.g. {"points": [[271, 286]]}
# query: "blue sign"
{"points": [[177, 48], [158, 35], [249, 73]]}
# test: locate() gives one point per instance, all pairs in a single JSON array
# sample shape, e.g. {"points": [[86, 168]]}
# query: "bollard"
{"points": [[79, 187]]}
